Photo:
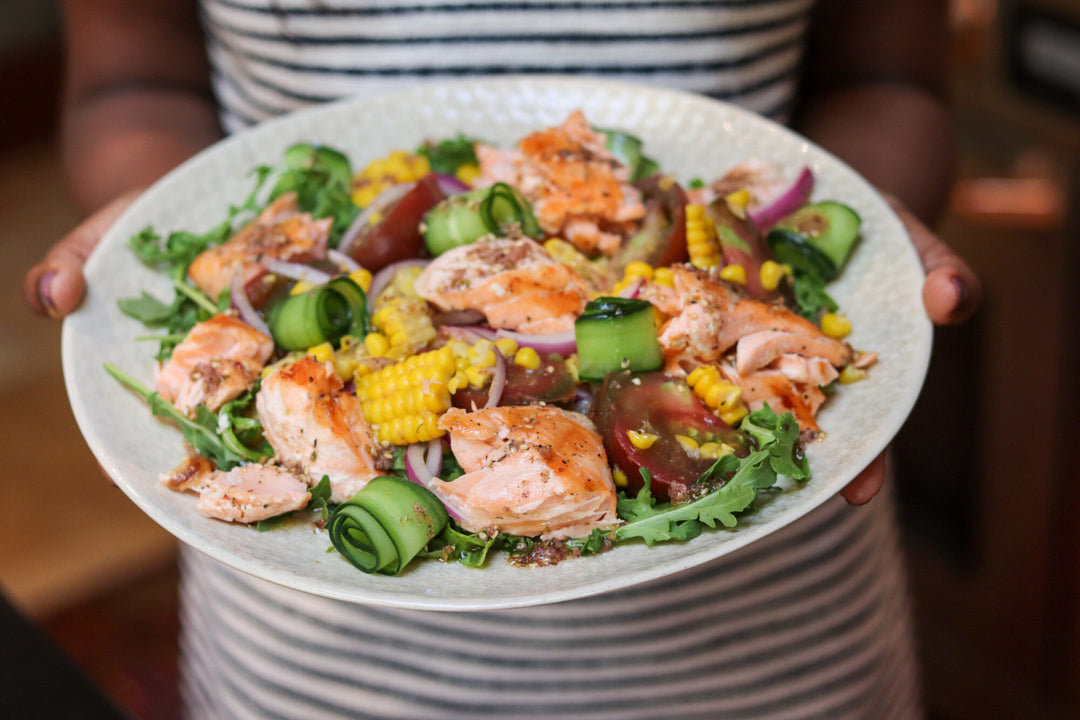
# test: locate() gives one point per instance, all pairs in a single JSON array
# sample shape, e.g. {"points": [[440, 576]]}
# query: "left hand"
{"points": [[951, 293]]}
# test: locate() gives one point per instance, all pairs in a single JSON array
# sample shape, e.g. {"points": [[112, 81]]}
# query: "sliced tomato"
{"points": [[551, 382], [742, 244], [659, 405], [397, 236], [662, 238]]}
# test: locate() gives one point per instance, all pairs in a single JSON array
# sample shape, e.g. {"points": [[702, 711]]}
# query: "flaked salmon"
{"points": [[218, 360], [281, 232], [531, 471], [246, 494], [316, 427], [712, 318], [577, 188], [513, 282]]}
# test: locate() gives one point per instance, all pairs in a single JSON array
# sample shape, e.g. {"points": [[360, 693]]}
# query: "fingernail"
{"points": [[963, 296], [44, 291]]}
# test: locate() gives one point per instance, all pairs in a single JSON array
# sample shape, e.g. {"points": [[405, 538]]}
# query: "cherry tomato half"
{"points": [[658, 405], [397, 236]]}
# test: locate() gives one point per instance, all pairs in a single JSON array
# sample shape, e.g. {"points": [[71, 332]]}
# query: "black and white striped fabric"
{"points": [[811, 622], [272, 56]]}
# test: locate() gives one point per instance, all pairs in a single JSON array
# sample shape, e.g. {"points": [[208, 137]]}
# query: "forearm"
{"points": [[137, 97], [898, 136], [127, 139]]}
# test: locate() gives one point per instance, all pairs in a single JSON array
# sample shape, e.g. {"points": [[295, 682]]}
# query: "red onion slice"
{"points": [[563, 342], [382, 201], [247, 311], [632, 290], [789, 201], [416, 470], [382, 278], [498, 381], [451, 185], [433, 456], [342, 260], [294, 270]]}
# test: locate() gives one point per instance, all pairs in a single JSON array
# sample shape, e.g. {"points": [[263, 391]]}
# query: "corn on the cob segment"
{"points": [[718, 393], [398, 167], [701, 241], [403, 402]]}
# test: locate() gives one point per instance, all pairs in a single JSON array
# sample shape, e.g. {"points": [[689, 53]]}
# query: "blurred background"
{"points": [[989, 486]]}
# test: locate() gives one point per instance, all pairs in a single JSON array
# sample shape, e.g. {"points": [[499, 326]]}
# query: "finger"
{"points": [[951, 291], [55, 286], [866, 484]]}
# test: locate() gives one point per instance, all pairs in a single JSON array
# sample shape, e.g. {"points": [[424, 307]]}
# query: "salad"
{"points": [[545, 350]]}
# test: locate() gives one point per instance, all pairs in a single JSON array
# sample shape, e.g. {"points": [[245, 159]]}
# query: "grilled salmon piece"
{"points": [[531, 471], [513, 282], [218, 360], [577, 188], [713, 318], [246, 494], [316, 427], [281, 232], [781, 393]]}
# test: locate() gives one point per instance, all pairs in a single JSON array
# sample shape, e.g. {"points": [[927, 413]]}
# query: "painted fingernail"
{"points": [[44, 291], [963, 296]]}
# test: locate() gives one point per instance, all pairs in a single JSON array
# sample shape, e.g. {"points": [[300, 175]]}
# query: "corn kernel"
{"points": [[737, 202], [851, 374], [507, 346], [715, 450], [641, 440], [664, 276], [733, 274], [638, 269], [467, 173], [485, 359], [619, 477], [771, 273], [361, 277], [733, 416], [301, 286], [689, 444], [835, 325], [527, 358], [376, 344], [477, 377], [322, 352]]}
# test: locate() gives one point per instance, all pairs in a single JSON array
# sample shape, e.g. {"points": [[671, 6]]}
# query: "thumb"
{"points": [[55, 286]]}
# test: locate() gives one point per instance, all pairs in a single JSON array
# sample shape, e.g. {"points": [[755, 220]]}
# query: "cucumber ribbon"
{"points": [[386, 524]]}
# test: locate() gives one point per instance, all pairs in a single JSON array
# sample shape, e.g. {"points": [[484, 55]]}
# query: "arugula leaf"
{"points": [[200, 432], [778, 453], [779, 436], [448, 155], [240, 430], [469, 549], [321, 177], [811, 300]]}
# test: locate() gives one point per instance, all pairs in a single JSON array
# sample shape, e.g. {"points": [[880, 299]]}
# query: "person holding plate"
{"points": [[812, 621]]}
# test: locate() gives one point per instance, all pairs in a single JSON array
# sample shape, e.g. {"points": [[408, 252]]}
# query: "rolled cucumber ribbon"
{"points": [[386, 524]]}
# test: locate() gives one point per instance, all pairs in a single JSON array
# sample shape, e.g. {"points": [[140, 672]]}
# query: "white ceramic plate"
{"points": [[691, 136]]}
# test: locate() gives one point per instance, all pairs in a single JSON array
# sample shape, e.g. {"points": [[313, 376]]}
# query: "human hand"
{"points": [[951, 294], [55, 286]]}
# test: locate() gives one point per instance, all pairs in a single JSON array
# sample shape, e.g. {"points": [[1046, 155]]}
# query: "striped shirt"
{"points": [[810, 622], [272, 56]]}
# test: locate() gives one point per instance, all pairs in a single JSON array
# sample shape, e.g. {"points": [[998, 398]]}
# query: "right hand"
{"points": [[55, 286]]}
